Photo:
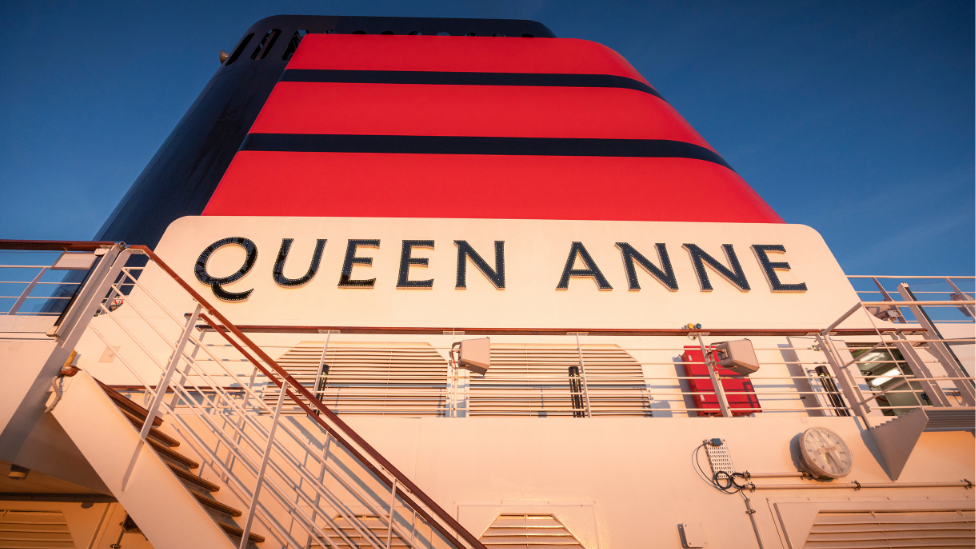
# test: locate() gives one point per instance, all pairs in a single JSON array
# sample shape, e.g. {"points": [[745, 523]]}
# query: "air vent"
{"points": [[296, 39], [373, 523], [240, 49], [892, 529], [47, 529], [400, 379], [530, 380], [525, 531], [268, 42]]}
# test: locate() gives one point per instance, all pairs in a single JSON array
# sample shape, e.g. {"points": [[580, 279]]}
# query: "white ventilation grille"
{"points": [[526, 531], [34, 529], [534, 380], [404, 379], [840, 530]]}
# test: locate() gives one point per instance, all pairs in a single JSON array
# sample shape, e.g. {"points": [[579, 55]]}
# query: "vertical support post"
{"points": [[452, 364], [23, 295], [389, 527], [723, 402], [586, 394], [170, 370], [318, 496], [318, 374], [264, 465]]}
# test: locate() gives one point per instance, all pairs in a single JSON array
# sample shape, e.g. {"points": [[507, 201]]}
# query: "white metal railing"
{"points": [[28, 288], [777, 388], [952, 387], [268, 462]]}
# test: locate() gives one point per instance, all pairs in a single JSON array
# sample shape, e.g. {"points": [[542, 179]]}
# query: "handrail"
{"points": [[55, 245], [411, 488], [912, 277], [409, 330]]}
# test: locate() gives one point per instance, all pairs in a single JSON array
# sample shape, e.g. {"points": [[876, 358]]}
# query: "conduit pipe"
{"points": [[774, 475], [859, 485]]}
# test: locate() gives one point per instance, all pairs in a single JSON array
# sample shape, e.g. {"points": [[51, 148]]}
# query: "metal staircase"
{"points": [[295, 481], [896, 437], [181, 465]]}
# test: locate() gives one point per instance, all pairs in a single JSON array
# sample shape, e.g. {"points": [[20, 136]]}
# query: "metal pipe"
{"points": [[752, 517], [723, 402], [245, 535], [774, 475], [826, 331], [917, 303], [855, 485], [911, 277], [582, 371]]}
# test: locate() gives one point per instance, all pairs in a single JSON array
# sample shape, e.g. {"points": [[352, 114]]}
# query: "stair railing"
{"points": [[204, 412], [845, 367], [248, 441], [247, 418]]}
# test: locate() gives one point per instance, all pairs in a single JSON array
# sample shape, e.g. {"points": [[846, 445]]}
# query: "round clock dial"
{"points": [[824, 454]]}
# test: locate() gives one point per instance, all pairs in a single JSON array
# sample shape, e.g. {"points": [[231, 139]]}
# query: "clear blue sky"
{"points": [[856, 118]]}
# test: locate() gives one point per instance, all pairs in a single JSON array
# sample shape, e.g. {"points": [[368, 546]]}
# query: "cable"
{"points": [[722, 481]]}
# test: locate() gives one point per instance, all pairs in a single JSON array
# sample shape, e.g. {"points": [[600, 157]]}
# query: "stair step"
{"points": [[175, 456], [190, 477], [214, 504], [123, 402], [153, 432], [235, 531]]}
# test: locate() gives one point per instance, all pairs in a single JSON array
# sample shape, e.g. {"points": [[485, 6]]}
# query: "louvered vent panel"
{"points": [[35, 529], [406, 380], [527, 380], [526, 531], [838, 530], [372, 523]]}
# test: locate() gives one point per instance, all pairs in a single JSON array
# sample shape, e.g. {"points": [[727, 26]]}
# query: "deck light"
{"points": [[17, 472], [738, 356]]}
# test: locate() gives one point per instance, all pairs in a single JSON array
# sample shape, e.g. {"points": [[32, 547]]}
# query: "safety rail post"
{"points": [[264, 466], [582, 372], [723, 402], [318, 374], [168, 375], [389, 528]]}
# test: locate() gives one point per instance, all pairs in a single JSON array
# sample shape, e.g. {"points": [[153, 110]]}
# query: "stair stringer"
{"points": [[153, 496], [896, 438]]}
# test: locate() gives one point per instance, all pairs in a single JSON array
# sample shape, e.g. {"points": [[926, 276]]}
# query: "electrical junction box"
{"points": [[692, 534]]}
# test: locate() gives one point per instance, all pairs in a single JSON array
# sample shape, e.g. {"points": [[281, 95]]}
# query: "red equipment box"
{"points": [[738, 390]]}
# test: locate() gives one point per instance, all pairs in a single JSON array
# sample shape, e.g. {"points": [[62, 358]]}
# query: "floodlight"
{"points": [[738, 356]]}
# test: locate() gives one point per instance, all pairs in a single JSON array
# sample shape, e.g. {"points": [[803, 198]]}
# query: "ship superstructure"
{"points": [[460, 283]]}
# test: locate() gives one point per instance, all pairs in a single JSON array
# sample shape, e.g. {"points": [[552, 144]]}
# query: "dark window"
{"points": [[240, 48]]}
